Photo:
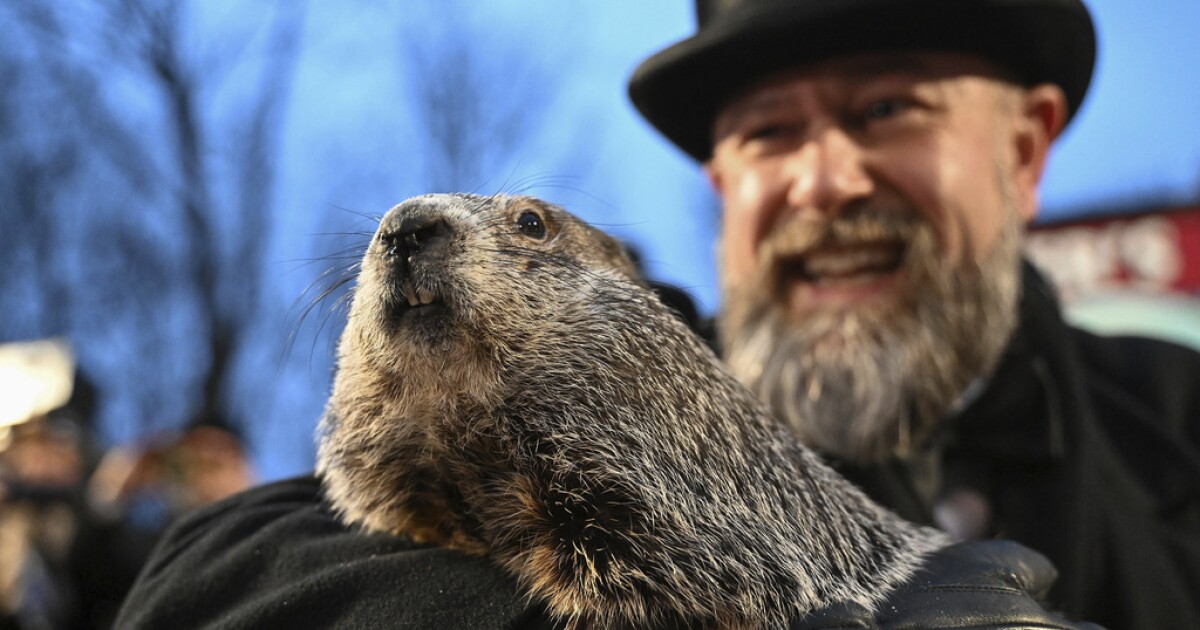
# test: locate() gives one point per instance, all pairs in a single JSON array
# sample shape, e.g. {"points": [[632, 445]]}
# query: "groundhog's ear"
{"points": [[628, 259], [680, 302]]}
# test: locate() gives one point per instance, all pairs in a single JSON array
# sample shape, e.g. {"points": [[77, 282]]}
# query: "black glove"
{"points": [[983, 585]]}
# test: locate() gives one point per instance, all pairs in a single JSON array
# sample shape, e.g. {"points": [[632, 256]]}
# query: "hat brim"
{"points": [[681, 89]]}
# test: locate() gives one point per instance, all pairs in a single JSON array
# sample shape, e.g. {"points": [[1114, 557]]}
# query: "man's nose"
{"points": [[827, 172]]}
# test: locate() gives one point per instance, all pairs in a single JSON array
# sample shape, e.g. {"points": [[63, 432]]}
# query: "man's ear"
{"points": [[714, 178], [1041, 117]]}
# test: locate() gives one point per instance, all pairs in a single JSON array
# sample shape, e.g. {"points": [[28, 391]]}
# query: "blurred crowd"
{"points": [[77, 521]]}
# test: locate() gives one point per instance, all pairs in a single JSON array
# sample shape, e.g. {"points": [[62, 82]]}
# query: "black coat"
{"points": [[1085, 447], [275, 557]]}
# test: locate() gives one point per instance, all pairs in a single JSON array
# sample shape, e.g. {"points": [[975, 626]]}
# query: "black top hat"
{"points": [[680, 89]]}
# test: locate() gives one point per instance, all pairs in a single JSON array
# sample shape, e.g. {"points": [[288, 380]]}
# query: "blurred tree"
{"points": [[479, 93], [29, 183], [140, 207], [143, 180]]}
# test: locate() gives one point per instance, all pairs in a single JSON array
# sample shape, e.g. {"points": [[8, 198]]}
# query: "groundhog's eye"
{"points": [[531, 225]]}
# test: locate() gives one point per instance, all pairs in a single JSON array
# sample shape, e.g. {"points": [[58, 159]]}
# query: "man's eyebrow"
{"points": [[758, 101], [739, 109]]}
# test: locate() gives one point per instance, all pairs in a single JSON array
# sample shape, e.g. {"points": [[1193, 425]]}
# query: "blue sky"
{"points": [[1138, 134]]}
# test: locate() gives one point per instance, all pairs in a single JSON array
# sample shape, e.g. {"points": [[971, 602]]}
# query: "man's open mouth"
{"points": [[845, 264]]}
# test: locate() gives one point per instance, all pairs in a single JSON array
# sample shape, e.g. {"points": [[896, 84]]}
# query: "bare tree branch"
{"points": [[476, 94]]}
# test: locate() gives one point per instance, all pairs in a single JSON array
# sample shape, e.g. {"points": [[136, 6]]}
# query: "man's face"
{"points": [[873, 207]]}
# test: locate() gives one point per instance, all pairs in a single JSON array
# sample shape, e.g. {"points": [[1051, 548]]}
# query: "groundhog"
{"points": [[508, 386]]}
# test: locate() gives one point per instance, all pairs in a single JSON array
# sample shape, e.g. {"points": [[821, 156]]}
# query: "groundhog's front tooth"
{"points": [[412, 296], [425, 296]]}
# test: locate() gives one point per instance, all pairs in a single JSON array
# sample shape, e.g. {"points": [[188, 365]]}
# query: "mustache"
{"points": [[854, 226]]}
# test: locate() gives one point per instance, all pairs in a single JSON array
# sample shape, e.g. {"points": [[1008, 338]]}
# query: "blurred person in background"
{"points": [[41, 470], [76, 527], [134, 494], [45, 450]]}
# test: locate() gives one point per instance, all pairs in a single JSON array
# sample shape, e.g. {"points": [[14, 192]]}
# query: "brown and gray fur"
{"points": [[548, 411]]}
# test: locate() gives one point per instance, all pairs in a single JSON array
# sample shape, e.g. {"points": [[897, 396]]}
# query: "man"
{"points": [[877, 162], [277, 557]]}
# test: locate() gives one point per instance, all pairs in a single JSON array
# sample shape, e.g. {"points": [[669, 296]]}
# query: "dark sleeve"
{"points": [[276, 557]]}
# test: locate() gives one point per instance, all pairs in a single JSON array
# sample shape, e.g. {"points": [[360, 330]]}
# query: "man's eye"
{"points": [[770, 133], [764, 132], [886, 108]]}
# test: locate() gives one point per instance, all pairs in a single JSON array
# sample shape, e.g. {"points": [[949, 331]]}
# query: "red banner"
{"points": [[1149, 252]]}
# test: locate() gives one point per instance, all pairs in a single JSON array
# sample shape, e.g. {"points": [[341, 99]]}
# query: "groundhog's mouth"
{"points": [[412, 305], [419, 297]]}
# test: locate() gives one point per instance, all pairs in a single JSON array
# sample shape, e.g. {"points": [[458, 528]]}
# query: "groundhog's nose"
{"points": [[411, 235]]}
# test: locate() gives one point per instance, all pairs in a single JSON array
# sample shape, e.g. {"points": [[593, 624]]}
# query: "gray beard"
{"points": [[872, 383]]}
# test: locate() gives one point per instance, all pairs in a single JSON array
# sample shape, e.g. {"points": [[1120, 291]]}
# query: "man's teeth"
{"points": [[418, 297], [850, 262]]}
